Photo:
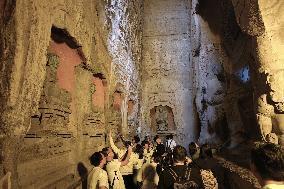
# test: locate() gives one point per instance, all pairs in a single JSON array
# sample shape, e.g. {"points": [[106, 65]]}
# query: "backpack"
{"points": [[183, 182], [209, 181]]}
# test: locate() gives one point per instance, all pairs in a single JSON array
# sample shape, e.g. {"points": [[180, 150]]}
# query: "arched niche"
{"points": [[130, 107], [117, 100], [132, 116], [56, 103], [69, 54], [162, 120], [94, 120], [50, 140], [118, 97], [99, 93], [118, 109]]}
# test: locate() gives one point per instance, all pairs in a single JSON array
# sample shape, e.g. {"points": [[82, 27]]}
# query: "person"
{"points": [[193, 150], [137, 167], [208, 163], [147, 138], [159, 147], [127, 170], [135, 140], [97, 178], [113, 167], [180, 172], [267, 163], [170, 143], [148, 175], [138, 150], [147, 152], [157, 140], [157, 161]]}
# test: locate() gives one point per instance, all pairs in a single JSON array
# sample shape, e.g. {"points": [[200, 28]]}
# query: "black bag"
{"points": [[183, 182]]}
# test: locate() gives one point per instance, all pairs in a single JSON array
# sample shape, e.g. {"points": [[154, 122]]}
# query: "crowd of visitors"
{"points": [[153, 165]]}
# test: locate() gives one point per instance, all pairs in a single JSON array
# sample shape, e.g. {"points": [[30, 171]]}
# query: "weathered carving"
{"points": [[52, 63], [54, 106], [272, 138], [161, 118], [92, 88]]}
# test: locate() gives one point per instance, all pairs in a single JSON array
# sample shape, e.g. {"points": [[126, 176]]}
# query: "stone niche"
{"points": [[132, 121], [130, 107], [162, 120], [117, 100], [48, 144], [115, 115], [98, 96], [94, 121]]}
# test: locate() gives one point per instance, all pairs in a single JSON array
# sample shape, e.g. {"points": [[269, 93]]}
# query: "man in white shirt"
{"points": [[127, 170], [113, 167], [97, 178], [170, 144], [267, 163]]}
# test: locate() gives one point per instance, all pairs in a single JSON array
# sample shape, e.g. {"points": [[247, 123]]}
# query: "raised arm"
{"points": [[116, 150], [126, 160], [121, 137], [112, 145]]}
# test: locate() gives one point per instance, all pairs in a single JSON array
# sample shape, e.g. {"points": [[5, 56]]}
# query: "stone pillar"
{"points": [[208, 60], [166, 70], [264, 20], [124, 125]]}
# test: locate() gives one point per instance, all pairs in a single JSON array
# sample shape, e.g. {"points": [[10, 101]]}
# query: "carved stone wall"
{"points": [[269, 56], [222, 57], [208, 71], [124, 22], [54, 109], [245, 37], [263, 21], [166, 69]]}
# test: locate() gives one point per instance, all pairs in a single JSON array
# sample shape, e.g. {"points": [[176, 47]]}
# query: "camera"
{"points": [[127, 144]]}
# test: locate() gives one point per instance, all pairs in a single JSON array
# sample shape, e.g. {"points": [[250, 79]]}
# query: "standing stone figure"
{"points": [[161, 118]]}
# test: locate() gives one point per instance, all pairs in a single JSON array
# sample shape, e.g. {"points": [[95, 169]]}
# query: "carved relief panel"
{"points": [[162, 119]]}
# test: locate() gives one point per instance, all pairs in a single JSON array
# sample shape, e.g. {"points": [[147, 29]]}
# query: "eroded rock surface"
{"points": [[209, 71], [61, 64]]}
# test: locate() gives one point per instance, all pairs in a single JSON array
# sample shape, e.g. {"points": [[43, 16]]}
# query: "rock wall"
{"points": [[236, 48], [263, 21], [269, 56], [124, 21], [222, 57], [193, 61], [72, 70], [55, 109], [166, 71], [208, 58]]}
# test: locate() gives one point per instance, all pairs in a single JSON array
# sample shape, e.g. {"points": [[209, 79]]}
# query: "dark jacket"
{"points": [[166, 179]]}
